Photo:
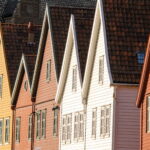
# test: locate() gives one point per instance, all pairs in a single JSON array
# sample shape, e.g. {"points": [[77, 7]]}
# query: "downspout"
{"points": [[114, 117], [33, 123], [85, 121], [13, 127]]}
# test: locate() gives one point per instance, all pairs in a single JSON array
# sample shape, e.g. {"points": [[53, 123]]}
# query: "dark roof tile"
{"points": [[127, 29], [60, 18], [15, 39]]}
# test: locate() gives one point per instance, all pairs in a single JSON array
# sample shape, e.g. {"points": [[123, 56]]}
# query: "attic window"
{"points": [[26, 85], [30, 38], [140, 57]]}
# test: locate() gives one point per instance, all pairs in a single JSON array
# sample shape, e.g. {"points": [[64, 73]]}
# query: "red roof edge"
{"points": [[144, 76]]}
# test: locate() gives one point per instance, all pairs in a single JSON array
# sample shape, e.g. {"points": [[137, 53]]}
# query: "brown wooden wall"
{"points": [[45, 99]]}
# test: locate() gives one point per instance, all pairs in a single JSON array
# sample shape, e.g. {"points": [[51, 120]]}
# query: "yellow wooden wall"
{"points": [[5, 101]]}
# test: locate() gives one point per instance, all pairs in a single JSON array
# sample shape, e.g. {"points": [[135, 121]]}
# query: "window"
{"points": [[38, 124], [101, 69], [26, 85], [1, 85], [1, 131], [140, 57], [43, 126], [7, 130], [48, 70], [66, 128], [69, 127], [148, 114], [30, 127], [55, 123], [30, 38], [76, 120], [105, 121], [74, 78], [18, 122], [79, 126], [94, 121]]}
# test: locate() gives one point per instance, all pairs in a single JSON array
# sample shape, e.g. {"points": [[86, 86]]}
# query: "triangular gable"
{"points": [[144, 76], [23, 69], [98, 22], [71, 41], [45, 28]]}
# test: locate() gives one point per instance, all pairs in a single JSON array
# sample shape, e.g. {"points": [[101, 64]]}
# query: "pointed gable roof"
{"points": [[27, 65], [60, 17], [144, 77], [127, 29], [57, 21], [15, 42], [80, 33]]}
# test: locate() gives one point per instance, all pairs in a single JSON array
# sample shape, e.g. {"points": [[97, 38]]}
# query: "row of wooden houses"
{"points": [[73, 82]]}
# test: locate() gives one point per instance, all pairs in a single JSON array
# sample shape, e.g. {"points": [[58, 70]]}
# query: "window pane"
{"points": [[7, 126], [1, 131]]}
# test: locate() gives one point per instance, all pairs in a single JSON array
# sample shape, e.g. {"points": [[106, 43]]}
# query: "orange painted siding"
{"points": [[5, 101]]}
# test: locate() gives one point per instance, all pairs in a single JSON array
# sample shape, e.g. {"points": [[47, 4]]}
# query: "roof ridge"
{"points": [[18, 24]]}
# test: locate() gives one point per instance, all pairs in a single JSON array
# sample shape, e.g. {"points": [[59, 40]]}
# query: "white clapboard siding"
{"points": [[72, 102], [99, 95]]}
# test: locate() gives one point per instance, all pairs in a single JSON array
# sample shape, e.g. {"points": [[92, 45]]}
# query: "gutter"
{"points": [[123, 84]]}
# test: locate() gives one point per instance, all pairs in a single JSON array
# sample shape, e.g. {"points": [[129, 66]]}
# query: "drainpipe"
{"points": [[13, 127], [33, 124], [85, 121], [114, 117]]}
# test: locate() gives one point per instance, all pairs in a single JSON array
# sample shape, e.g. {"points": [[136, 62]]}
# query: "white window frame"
{"points": [[148, 114], [55, 121], [18, 126], [30, 127], [43, 124], [7, 130], [63, 137], [69, 128], [101, 70], [74, 78], [38, 125], [81, 126], [76, 126], [48, 70], [2, 121], [94, 123], [105, 120]]}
